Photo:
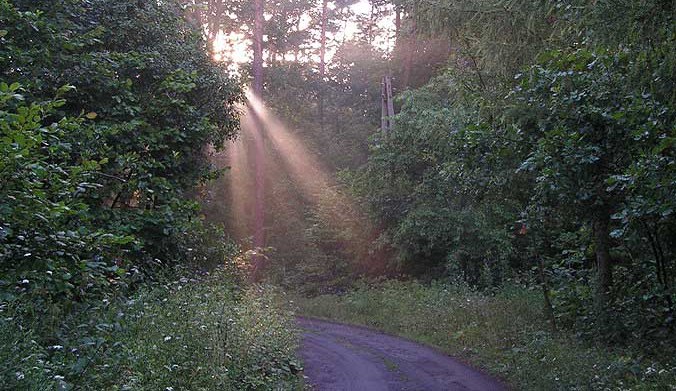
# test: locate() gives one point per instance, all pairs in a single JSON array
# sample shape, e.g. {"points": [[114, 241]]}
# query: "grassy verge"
{"points": [[503, 333], [187, 335]]}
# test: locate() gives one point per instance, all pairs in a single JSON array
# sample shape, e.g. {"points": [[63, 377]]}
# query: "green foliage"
{"points": [[196, 333], [152, 97], [52, 251], [205, 336], [504, 333], [106, 110], [593, 128], [547, 141], [590, 125], [439, 183]]}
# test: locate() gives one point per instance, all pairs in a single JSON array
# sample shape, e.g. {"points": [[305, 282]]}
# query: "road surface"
{"points": [[347, 358]]}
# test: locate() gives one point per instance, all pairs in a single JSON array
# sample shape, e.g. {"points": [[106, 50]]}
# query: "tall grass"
{"points": [[504, 333], [191, 334]]}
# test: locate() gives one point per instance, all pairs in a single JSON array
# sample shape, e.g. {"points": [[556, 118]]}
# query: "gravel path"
{"points": [[348, 358]]}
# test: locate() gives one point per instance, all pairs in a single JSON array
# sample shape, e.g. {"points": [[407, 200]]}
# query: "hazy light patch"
{"points": [[385, 41], [235, 47], [240, 187], [282, 183], [361, 7], [302, 163], [240, 156], [310, 176], [232, 48]]}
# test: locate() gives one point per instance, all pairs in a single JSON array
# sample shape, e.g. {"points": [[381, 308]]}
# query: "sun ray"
{"points": [[315, 182], [239, 187]]}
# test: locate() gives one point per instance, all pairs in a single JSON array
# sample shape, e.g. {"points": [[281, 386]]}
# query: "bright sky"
{"points": [[236, 47]]}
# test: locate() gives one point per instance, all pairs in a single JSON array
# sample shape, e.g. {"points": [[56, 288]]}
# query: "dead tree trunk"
{"points": [[387, 105]]}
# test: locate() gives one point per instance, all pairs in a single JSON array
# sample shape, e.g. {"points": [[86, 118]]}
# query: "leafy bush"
{"points": [[153, 101], [106, 110], [52, 251], [592, 128], [565, 168], [191, 334]]}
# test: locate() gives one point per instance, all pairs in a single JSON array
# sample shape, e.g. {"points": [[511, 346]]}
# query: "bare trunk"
{"points": [[258, 48], [410, 51], [387, 105], [322, 48], [322, 60], [257, 87], [397, 23]]}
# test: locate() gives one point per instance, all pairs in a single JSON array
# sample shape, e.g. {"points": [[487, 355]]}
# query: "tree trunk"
{"points": [[322, 61], [603, 260], [600, 226], [213, 21], [390, 102], [397, 24], [410, 51], [322, 47], [372, 17], [383, 107], [258, 48], [548, 309], [257, 89]]}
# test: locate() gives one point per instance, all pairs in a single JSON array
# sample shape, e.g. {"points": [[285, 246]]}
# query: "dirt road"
{"points": [[346, 358]]}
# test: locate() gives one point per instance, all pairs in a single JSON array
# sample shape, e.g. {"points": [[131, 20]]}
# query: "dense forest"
{"points": [[179, 178]]}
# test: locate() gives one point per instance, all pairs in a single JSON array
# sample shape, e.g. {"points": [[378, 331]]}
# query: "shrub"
{"points": [[191, 334]]}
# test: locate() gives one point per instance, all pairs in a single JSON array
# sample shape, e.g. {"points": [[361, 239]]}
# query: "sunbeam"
{"points": [[302, 163], [239, 187], [314, 180]]}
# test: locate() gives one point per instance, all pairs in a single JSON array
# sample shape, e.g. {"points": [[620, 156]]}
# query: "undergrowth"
{"points": [[504, 333], [192, 334]]}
